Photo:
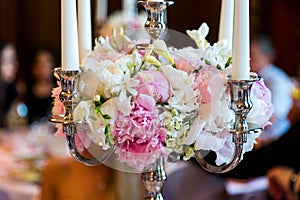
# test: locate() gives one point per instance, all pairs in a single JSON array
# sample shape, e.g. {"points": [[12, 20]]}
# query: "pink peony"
{"points": [[58, 107], [184, 65], [59, 131], [260, 91], [139, 137], [81, 138], [146, 101], [187, 59], [204, 82], [154, 84]]}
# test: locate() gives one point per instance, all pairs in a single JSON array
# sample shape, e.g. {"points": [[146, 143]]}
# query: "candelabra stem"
{"points": [[153, 178], [156, 17]]}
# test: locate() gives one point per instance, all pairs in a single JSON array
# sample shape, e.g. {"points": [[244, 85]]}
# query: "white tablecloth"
{"points": [[11, 189], [23, 154]]}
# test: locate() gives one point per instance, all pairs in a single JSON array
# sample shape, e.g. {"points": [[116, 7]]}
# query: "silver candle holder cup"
{"points": [[155, 24]]}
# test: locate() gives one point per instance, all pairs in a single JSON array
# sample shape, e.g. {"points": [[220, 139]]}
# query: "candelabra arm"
{"points": [[79, 157], [220, 169], [241, 104], [69, 97]]}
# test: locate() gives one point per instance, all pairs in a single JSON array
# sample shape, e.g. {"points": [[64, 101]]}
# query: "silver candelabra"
{"points": [[154, 176]]}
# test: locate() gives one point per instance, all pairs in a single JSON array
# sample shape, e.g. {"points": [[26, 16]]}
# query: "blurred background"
{"points": [[32, 23], [32, 28]]}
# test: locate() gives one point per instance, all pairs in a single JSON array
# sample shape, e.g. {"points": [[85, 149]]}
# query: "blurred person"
{"points": [[284, 183], [262, 57], [41, 82], [12, 89], [282, 152]]}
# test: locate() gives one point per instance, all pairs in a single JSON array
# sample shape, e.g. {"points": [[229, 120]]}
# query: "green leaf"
{"points": [[228, 63], [97, 110], [207, 62], [107, 135], [106, 116], [107, 130], [102, 99], [197, 70]]}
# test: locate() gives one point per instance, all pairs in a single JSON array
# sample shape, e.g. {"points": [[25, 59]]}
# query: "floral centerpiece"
{"points": [[151, 102]]}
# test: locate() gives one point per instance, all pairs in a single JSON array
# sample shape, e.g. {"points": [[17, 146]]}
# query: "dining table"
{"points": [[24, 151]]}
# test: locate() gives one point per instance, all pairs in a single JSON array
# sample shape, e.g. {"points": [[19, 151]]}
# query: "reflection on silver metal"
{"points": [[153, 178], [69, 98], [241, 104], [156, 17], [80, 158]]}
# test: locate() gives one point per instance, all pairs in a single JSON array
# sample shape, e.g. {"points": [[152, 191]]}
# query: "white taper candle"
{"points": [[84, 28], [69, 35], [129, 7], [226, 22], [241, 41], [101, 11]]}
